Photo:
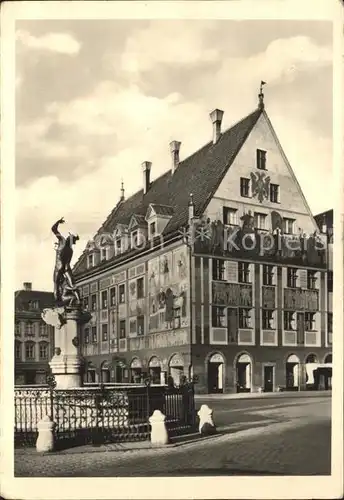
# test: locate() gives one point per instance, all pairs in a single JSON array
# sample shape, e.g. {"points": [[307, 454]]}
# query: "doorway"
{"points": [[268, 378], [292, 373], [215, 374], [243, 373]]}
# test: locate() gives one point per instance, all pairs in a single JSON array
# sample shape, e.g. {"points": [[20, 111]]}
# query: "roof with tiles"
{"points": [[25, 301], [199, 174]]}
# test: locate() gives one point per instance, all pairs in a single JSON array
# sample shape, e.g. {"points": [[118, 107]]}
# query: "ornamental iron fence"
{"points": [[96, 415]]}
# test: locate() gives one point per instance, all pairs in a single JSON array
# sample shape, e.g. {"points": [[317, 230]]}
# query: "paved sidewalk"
{"points": [[266, 395]]}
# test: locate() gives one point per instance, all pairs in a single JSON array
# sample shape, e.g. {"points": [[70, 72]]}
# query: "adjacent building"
{"points": [[216, 270], [34, 340]]}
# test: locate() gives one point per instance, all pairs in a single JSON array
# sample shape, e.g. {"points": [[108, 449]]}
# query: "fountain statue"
{"points": [[67, 316]]}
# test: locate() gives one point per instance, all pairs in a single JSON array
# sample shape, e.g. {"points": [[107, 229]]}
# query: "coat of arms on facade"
{"points": [[260, 185]]}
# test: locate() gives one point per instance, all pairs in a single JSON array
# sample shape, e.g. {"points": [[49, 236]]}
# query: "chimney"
{"points": [[27, 286], [174, 148], [191, 208], [146, 167], [216, 118]]}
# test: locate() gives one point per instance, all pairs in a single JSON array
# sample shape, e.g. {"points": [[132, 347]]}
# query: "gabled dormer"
{"points": [[137, 231], [92, 254], [106, 246], [121, 239], [157, 217]]}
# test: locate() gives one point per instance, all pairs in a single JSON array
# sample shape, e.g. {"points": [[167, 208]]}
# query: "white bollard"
{"points": [[159, 434], [45, 440], [206, 423]]}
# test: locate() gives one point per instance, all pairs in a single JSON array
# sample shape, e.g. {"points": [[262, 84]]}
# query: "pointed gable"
{"points": [[200, 174]]}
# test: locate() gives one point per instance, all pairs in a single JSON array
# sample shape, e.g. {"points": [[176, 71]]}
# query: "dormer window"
{"points": [[90, 260], [152, 229], [135, 239], [103, 254], [118, 247]]}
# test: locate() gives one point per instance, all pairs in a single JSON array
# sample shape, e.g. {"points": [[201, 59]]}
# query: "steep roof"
{"points": [[199, 174], [23, 299]]}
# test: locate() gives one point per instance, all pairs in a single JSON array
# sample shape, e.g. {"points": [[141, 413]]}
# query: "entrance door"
{"points": [[215, 378], [268, 378]]}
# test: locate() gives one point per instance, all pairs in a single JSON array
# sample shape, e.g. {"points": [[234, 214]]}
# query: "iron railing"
{"points": [[94, 415]]}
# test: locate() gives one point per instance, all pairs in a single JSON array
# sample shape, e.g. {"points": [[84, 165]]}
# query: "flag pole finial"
{"points": [[261, 95]]}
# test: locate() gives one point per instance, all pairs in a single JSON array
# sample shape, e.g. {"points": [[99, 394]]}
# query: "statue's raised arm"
{"points": [[55, 229]]}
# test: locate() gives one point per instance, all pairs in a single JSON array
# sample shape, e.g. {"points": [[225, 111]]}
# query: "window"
{"points": [[43, 330], [244, 318], [43, 350], [309, 321], [94, 302], [118, 246], [112, 296], [104, 332], [274, 193], [29, 329], [311, 280], [29, 350], [288, 225], [259, 220], [86, 303], [268, 319], [140, 325], [291, 277], [121, 291], [103, 254], [330, 322], [94, 335], [17, 328], [134, 239], [18, 350], [230, 216], [90, 260], [104, 299], [218, 317], [122, 332], [34, 304], [244, 187], [152, 228], [330, 281], [176, 317], [218, 269], [87, 335], [243, 272], [261, 159], [289, 320], [140, 288], [268, 275]]}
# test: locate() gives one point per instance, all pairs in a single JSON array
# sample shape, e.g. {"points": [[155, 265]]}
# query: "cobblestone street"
{"points": [[281, 436]]}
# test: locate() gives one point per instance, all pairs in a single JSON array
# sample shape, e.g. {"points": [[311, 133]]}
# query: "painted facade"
{"points": [[243, 314]]}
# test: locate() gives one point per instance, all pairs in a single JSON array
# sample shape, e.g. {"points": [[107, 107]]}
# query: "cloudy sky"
{"points": [[94, 99]]}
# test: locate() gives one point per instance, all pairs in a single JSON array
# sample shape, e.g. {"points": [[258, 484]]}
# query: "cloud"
{"points": [[75, 152], [63, 43]]}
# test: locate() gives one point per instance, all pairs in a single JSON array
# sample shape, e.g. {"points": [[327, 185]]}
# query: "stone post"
{"points": [[206, 423], [159, 435], [66, 363], [45, 440]]}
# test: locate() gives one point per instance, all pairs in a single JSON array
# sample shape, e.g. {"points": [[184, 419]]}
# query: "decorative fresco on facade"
{"points": [[232, 294], [168, 291], [301, 300]]}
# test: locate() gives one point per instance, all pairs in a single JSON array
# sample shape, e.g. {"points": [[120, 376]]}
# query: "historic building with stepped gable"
{"points": [[216, 269]]}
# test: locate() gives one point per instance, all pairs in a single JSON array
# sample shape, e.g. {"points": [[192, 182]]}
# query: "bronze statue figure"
{"points": [[65, 292]]}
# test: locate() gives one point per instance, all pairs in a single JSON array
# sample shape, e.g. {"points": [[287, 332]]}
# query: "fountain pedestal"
{"points": [[66, 363]]}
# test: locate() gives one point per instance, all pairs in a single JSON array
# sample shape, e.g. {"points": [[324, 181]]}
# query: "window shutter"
{"points": [[274, 275], [284, 277], [231, 271]]}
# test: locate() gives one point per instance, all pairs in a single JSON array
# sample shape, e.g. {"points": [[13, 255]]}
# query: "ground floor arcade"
{"points": [[225, 370]]}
